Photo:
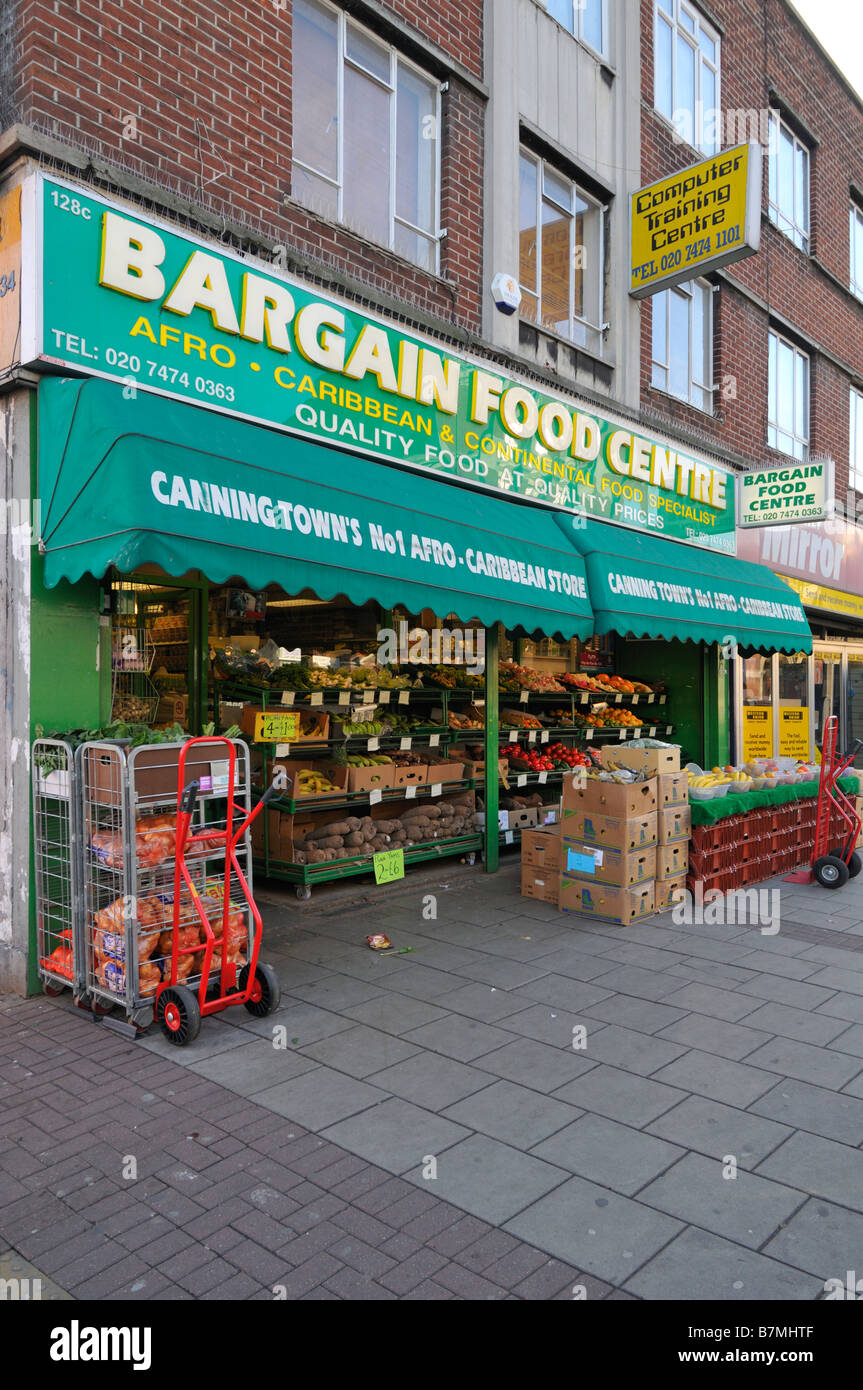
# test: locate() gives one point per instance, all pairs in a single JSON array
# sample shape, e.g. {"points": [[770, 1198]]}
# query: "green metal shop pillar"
{"points": [[492, 734]]}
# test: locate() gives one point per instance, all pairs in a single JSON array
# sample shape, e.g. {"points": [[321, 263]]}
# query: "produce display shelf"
{"points": [[305, 876], [291, 805], [532, 779]]}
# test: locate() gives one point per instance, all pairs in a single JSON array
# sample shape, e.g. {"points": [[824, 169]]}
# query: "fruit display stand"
{"points": [[742, 840], [409, 722], [544, 733]]}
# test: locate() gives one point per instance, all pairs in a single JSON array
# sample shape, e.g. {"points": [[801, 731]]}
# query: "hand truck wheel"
{"points": [[266, 990], [855, 863], [178, 1015], [831, 871], [52, 989]]}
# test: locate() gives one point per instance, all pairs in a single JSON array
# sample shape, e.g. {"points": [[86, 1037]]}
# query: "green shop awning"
{"points": [[653, 587], [128, 478]]}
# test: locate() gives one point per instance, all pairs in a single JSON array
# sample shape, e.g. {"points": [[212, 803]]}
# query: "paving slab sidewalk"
{"points": [[516, 1103]]}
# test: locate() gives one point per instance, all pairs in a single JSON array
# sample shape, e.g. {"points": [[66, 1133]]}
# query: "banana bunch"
{"points": [[707, 779], [312, 783], [365, 730], [373, 760]]}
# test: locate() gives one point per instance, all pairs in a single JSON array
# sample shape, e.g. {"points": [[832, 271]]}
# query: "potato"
{"points": [[368, 832], [300, 856], [386, 827], [331, 842], [355, 840], [333, 828], [317, 856]]}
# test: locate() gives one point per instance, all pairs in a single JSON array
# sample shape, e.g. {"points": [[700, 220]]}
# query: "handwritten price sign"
{"points": [[389, 865], [282, 727]]}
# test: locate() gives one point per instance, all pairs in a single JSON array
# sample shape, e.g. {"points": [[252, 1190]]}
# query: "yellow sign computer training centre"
{"points": [[696, 220]]}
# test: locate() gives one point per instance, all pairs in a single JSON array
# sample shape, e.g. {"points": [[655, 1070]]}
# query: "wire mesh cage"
{"points": [[56, 864], [131, 881]]}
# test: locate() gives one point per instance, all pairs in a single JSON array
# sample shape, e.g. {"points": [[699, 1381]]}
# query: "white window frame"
{"points": [[577, 191], [703, 387], [671, 10], [396, 60], [799, 236], [577, 29], [772, 413], [855, 436], [856, 271]]}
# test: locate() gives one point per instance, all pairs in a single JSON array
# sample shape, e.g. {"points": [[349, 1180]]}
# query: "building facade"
{"points": [[761, 363]]}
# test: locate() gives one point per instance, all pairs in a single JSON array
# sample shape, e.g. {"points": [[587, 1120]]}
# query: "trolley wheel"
{"points": [[855, 863], [303, 892], [52, 989], [831, 871], [266, 990], [178, 1015]]}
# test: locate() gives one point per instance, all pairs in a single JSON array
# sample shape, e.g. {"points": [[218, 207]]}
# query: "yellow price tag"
{"points": [[276, 727], [389, 865]]}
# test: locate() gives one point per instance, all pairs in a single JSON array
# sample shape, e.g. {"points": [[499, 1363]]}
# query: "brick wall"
{"points": [[196, 98], [767, 51]]}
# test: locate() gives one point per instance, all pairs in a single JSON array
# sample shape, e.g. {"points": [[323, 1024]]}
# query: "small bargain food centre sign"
{"points": [[129, 297], [699, 219], [778, 496]]}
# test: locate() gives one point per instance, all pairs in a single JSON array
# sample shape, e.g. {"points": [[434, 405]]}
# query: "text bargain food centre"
{"points": [[227, 459]]}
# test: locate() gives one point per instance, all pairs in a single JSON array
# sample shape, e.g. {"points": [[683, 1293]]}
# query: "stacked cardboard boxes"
{"points": [[621, 850], [609, 849]]}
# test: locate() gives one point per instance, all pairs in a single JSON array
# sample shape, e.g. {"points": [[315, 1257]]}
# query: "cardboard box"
{"points": [[155, 771], [523, 818], [542, 884], [475, 770], [668, 891], [292, 769], [622, 800], [172, 709], [447, 770], [672, 789], [649, 760], [674, 823], [613, 832], [605, 902], [541, 849], [380, 778], [672, 860], [617, 867], [415, 776]]}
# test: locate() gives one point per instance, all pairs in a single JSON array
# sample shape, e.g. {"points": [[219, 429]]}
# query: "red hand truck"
{"points": [[179, 1009], [832, 868]]}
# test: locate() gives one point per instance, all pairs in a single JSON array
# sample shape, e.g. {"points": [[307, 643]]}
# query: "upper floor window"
{"points": [[855, 457], [857, 251], [561, 254], [586, 19], [686, 67], [683, 343], [788, 195], [366, 134], [787, 398]]}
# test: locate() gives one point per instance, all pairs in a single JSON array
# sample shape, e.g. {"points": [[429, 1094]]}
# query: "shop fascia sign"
{"points": [[796, 492], [696, 220], [127, 297]]}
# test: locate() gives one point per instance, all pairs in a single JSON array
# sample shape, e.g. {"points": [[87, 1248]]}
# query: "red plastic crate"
{"points": [[706, 838]]}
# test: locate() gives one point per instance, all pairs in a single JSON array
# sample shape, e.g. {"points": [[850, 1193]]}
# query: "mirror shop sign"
{"points": [[128, 297]]}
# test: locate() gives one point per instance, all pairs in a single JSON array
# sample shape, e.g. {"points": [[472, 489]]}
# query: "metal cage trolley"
{"points": [[137, 917], [56, 867]]}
